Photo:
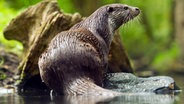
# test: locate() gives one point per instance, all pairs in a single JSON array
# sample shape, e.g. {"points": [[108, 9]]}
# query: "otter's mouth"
{"points": [[130, 16]]}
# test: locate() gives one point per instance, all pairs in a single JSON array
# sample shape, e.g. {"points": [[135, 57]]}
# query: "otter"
{"points": [[75, 60]]}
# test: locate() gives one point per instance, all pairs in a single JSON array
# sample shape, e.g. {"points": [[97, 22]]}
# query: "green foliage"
{"points": [[66, 6], [150, 36], [19, 4], [6, 15], [165, 59]]}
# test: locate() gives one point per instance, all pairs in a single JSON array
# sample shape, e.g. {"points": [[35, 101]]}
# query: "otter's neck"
{"points": [[100, 27], [98, 24]]}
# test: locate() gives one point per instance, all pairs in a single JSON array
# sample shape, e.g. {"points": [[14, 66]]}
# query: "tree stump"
{"points": [[37, 25]]}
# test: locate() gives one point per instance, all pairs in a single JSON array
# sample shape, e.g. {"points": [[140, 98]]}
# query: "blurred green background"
{"points": [[150, 40]]}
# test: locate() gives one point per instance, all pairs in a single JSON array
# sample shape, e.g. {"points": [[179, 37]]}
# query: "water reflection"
{"points": [[134, 98], [144, 98]]}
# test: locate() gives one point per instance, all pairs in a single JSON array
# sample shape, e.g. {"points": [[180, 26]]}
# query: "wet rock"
{"points": [[127, 82]]}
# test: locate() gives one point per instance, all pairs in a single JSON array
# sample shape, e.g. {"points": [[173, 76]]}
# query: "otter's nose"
{"points": [[137, 10]]}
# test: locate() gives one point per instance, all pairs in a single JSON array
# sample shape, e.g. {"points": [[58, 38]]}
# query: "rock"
{"points": [[127, 82]]}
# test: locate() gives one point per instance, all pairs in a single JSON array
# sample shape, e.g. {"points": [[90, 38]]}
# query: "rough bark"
{"points": [[38, 24]]}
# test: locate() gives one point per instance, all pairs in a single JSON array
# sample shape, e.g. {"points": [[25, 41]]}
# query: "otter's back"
{"points": [[72, 54]]}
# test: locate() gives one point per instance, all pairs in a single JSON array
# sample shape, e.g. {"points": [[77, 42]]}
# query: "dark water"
{"points": [[128, 98]]}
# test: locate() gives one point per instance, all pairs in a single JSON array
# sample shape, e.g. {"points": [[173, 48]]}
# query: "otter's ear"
{"points": [[110, 9]]}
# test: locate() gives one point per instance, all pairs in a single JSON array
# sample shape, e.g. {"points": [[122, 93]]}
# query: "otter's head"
{"points": [[105, 20], [120, 14]]}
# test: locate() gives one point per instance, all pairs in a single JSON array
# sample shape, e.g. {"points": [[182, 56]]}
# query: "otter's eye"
{"points": [[125, 8], [110, 9]]}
